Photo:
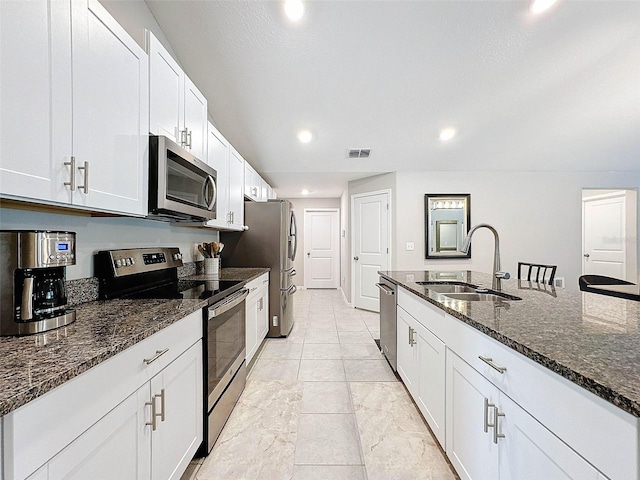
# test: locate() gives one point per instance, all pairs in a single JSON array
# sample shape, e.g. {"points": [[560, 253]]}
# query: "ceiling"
{"points": [[558, 91]]}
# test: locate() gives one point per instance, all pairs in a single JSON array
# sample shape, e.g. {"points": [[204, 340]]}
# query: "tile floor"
{"points": [[324, 404]]}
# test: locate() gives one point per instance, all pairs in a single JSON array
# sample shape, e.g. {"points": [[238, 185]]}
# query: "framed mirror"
{"points": [[447, 219]]}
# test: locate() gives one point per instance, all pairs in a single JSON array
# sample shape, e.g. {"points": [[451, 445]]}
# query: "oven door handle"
{"points": [[228, 303]]}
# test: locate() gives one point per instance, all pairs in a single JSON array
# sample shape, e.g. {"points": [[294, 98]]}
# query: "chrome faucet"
{"points": [[497, 274]]}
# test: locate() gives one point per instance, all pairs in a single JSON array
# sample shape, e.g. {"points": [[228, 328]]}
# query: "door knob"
{"points": [[586, 255], [356, 258], [308, 254]]}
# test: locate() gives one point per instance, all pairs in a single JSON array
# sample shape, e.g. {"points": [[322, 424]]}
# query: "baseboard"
{"points": [[345, 298]]}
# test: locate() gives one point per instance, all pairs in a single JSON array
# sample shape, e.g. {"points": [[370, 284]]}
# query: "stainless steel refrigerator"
{"points": [[271, 241]]}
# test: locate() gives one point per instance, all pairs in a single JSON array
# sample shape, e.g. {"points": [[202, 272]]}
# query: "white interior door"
{"points": [[604, 236], [370, 252], [321, 248]]}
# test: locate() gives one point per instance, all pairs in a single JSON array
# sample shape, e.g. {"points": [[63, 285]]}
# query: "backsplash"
{"points": [[84, 290]]}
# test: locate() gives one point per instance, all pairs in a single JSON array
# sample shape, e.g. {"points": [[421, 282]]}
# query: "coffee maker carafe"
{"points": [[32, 281]]}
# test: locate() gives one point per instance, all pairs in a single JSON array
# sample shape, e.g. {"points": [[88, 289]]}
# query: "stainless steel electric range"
{"points": [[153, 273]]}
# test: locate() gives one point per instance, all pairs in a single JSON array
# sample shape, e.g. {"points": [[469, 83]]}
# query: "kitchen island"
{"points": [[578, 347]]}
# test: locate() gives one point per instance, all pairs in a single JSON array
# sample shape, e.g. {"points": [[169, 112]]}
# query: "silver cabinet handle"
{"points": [[496, 424], [152, 404], [487, 406], [154, 411], [183, 137], [489, 361], [162, 404], [253, 289], [158, 354], [189, 141], [85, 187], [72, 180], [412, 339]]}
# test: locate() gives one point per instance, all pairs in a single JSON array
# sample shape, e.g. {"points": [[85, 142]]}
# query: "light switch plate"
{"points": [[410, 247]]}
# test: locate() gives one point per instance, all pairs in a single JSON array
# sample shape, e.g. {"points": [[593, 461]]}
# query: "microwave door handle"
{"points": [[26, 310], [210, 200]]}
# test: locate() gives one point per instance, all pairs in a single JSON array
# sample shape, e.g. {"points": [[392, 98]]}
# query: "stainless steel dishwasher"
{"points": [[388, 321]]}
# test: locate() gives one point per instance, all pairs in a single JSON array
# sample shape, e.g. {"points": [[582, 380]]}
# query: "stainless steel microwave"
{"points": [[181, 187]]}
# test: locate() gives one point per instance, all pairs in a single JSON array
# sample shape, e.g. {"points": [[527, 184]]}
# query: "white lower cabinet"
{"points": [[138, 415], [421, 365], [122, 434], [490, 437], [257, 314]]}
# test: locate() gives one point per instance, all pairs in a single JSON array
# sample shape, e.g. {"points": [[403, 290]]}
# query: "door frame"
{"points": [[304, 262], [630, 196], [353, 237]]}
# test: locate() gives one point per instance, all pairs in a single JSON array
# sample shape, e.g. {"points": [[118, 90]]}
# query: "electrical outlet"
{"points": [[558, 282], [410, 247]]}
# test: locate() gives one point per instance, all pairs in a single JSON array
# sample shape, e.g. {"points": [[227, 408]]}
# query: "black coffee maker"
{"points": [[33, 297]]}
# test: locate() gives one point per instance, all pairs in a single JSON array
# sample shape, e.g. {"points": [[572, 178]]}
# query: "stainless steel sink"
{"points": [[451, 288], [481, 297]]}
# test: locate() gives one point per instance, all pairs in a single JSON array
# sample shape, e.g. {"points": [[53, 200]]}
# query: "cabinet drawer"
{"points": [[256, 285], [35, 432], [424, 312], [596, 429]]}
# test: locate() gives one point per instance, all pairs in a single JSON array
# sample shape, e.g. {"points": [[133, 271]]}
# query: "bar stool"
{"points": [[537, 268]]}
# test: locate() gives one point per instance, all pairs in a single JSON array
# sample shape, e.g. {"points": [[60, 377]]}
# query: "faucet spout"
{"points": [[497, 275]]}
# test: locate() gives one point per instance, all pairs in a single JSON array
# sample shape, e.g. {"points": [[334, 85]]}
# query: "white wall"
{"points": [[537, 214], [106, 233], [299, 204]]}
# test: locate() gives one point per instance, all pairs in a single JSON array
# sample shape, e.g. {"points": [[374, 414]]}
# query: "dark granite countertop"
{"points": [[33, 365], [590, 339], [245, 274]]}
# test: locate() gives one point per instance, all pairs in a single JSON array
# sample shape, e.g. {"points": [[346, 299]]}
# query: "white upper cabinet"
{"points": [[110, 122], [255, 187], [195, 120], [236, 189], [218, 158], [74, 116], [230, 178], [35, 94], [177, 109]]}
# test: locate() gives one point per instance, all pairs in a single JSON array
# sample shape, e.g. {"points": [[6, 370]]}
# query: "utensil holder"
{"points": [[212, 267]]}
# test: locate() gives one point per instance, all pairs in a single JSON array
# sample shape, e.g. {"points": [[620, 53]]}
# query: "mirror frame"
{"points": [[430, 229]]}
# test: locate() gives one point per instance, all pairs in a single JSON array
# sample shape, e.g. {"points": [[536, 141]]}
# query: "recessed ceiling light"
{"points": [[447, 134], [294, 9], [305, 192], [305, 136], [539, 6]]}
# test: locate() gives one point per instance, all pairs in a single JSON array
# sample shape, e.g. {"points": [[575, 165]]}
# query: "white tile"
{"points": [[328, 472], [368, 371], [327, 439], [321, 351], [321, 371], [355, 337], [388, 423], [281, 349], [274, 369], [321, 336], [325, 397], [360, 351]]}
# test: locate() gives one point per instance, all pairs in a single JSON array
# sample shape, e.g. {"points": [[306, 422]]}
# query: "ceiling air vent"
{"points": [[359, 153]]}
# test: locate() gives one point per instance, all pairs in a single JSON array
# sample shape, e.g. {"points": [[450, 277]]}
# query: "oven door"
{"points": [[225, 343]]}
